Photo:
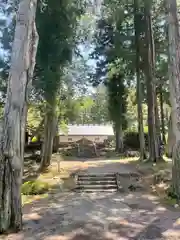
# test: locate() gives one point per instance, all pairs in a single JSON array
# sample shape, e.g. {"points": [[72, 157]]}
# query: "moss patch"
{"points": [[35, 187]]}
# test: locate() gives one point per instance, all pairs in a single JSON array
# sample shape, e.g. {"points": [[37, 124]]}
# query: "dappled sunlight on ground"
{"points": [[97, 216], [63, 168], [100, 216], [98, 165], [28, 199]]}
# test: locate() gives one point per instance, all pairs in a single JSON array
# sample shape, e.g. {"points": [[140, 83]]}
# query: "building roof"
{"points": [[88, 130]]}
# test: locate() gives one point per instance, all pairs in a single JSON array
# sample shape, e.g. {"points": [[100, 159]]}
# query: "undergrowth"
{"points": [[35, 187]]}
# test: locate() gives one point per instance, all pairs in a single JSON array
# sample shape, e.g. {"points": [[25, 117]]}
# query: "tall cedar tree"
{"points": [[174, 80], [14, 121], [154, 148], [137, 26], [56, 23], [117, 106]]}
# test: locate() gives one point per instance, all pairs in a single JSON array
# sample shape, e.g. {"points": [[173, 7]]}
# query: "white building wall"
{"points": [[70, 139]]}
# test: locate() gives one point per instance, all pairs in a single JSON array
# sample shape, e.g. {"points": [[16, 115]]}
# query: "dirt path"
{"points": [[115, 216], [99, 166]]}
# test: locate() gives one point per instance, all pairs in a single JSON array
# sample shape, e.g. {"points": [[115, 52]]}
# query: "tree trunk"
{"points": [[157, 122], [49, 134], [14, 121], [119, 139], [151, 93], [56, 137], [171, 139], [56, 144], [139, 84], [162, 116], [174, 83]]}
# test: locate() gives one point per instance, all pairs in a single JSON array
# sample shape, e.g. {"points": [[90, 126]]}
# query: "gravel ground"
{"points": [[99, 216]]}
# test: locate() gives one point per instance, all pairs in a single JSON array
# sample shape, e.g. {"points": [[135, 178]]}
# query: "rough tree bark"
{"points": [[162, 115], [157, 123], [119, 138], [154, 81], [56, 138], [139, 84], [174, 83], [171, 141], [14, 122], [49, 133], [151, 93]]}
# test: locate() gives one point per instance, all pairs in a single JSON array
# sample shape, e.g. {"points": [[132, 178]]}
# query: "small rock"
{"points": [[176, 205]]}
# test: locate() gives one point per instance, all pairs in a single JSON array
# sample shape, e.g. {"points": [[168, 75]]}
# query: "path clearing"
{"points": [[99, 216]]}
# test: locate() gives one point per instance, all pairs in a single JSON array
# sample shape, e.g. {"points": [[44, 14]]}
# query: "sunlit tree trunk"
{"points": [[151, 92], [174, 83], [14, 122], [139, 84]]}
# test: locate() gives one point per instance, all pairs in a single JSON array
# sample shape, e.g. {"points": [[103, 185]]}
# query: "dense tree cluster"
{"points": [[67, 62]]}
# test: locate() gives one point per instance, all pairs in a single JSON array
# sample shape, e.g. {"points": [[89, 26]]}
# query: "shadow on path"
{"points": [[74, 216]]}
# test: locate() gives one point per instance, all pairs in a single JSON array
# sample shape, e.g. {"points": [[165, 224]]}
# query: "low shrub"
{"points": [[171, 194], [35, 187], [131, 140]]}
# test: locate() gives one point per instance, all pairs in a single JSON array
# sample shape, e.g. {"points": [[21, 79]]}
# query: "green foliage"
{"points": [[131, 112], [56, 24], [35, 187], [35, 115], [110, 66], [115, 52], [34, 139], [117, 100], [131, 140], [62, 69], [145, 129], [86, 109], [99, 110]]}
